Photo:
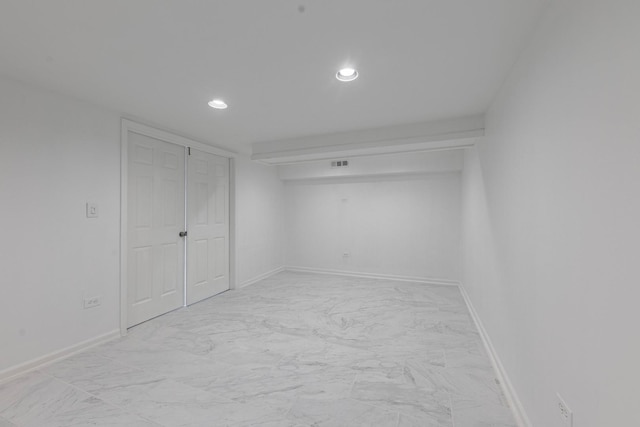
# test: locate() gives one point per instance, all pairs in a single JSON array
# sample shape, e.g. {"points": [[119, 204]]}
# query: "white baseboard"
{"points": [[426, 280], [55, 356], [510, 393], [260, 277]]}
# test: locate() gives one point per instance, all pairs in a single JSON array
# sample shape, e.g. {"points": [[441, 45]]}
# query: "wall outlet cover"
{"points": [[566, 415], [92, 302]]}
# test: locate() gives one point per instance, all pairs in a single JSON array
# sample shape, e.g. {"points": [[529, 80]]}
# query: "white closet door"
{"points": [[208, 219], [156, 200]]}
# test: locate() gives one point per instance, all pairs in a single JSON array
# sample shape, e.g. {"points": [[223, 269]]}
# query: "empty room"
{"points": [[298, 213]]}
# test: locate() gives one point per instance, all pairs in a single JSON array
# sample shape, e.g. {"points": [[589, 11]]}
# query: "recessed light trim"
{"points": [[347, 74], [218, 104]]}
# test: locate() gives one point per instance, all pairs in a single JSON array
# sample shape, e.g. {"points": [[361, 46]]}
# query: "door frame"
{"points": [[152, 132]]}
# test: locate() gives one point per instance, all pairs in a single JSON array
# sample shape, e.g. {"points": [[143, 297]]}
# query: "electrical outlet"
{"points": [[92, 302], [565, 413]]}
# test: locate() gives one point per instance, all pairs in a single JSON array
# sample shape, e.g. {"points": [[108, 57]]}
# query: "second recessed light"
{"points": [[347, 74], [218, 104]]}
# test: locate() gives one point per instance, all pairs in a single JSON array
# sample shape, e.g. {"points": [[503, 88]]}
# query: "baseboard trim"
{"points": [[55, 356], [507, 387], [425, 280], [260, 277]]}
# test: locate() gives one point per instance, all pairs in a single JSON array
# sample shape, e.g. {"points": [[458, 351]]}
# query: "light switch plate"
{"points": [[92, 210]]}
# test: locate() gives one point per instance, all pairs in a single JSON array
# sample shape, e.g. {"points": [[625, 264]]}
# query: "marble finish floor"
{"points": [[292, 350]]}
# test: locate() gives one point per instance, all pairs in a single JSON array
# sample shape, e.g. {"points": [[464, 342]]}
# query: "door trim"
{"points": [[131, 126]]}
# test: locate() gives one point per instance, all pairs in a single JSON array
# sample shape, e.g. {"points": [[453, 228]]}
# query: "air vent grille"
{"points": [[339, 163]]}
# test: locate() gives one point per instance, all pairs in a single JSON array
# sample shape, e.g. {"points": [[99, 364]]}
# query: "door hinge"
{"points": [[182, 234], [188, 151]]}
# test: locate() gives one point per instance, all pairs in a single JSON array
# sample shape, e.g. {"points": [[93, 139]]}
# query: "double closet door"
{"points": [[178, 227]]}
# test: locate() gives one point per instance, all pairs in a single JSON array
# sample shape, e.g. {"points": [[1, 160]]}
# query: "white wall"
{"points": [[55, 155], [403, 225], [260, 220], [551, 217]]}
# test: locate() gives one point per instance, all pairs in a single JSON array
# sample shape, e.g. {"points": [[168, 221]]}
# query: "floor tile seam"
{"points": [[286, 414], [183, 383], [302, 337], [9, 421], [106, 401], [439, 424], [412, 417], [431, 391], [276, 365], [224, 399], [340, 344], [453, 420], [124, 364], [371, 405], [481, 403], [353, 383], [164, 377], [165, 347], [159, 375], [479, 398], [315, 337]]}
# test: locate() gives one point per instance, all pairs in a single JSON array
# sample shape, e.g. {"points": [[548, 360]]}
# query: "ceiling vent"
{"points": [[339, 163]]}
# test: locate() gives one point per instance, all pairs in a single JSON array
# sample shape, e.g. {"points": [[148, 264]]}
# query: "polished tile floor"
{"points": [[293, 350]]}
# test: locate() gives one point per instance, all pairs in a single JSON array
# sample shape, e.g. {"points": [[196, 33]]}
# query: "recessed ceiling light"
{"points": [[347, 74], [218, 104]]}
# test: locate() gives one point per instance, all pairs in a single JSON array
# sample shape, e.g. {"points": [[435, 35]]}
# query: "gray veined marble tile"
{"points": [[277, 387], [99, 414], [6, 423], [104, 380], [395, 371], [149, 356], [429, 406], [257, 347], [224, 324], [340, 413], [435, 340], [333, 355], [479, 384], [469, 412], [296, 349], [77, 365], [471, 358], [407, 421], [39, 400], [178, 339], [33, 390], [173, 404]]}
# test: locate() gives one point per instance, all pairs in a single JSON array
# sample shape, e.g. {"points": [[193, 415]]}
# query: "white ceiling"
{"points": [[163, 60]]}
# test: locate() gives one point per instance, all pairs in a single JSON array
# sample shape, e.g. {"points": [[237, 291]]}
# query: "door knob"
{"points": [[182, 234]]}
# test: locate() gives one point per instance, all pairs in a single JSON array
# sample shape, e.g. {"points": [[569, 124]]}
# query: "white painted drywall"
{"points": [[56, 154], [260, 219], [401, 226], [551, 217]]}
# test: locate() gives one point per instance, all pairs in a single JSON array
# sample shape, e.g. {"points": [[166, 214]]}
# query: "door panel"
{"points": [[156, 198], [208, 214]]}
